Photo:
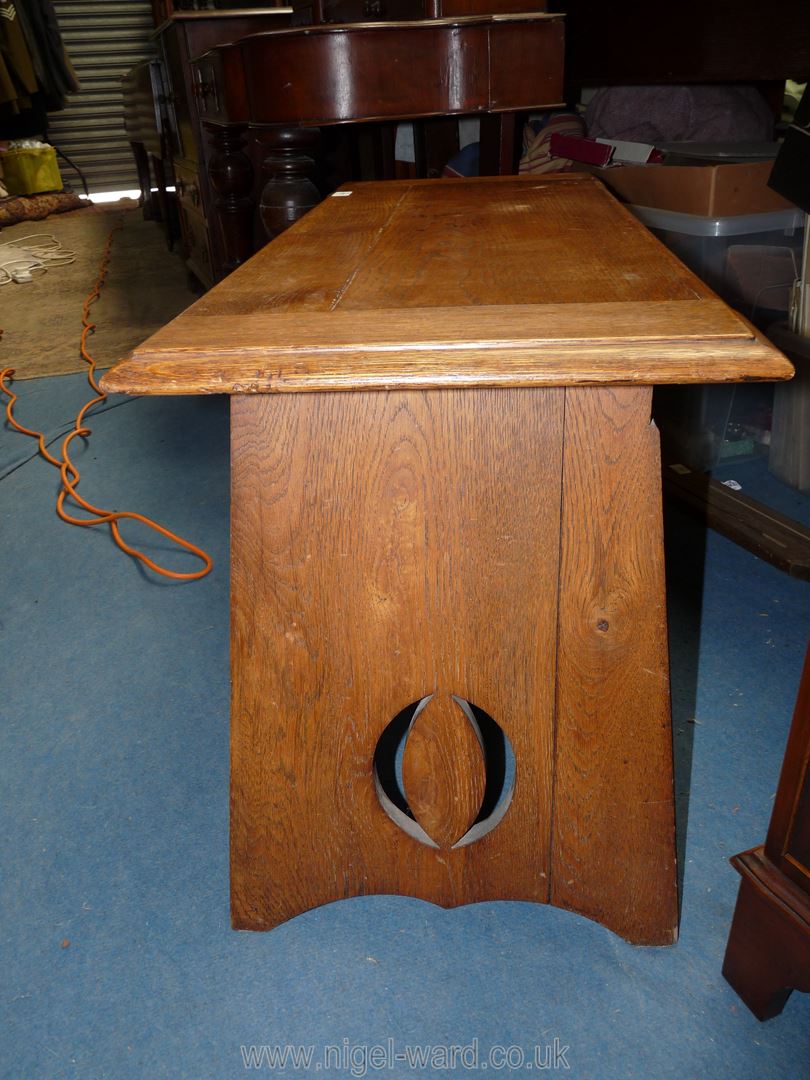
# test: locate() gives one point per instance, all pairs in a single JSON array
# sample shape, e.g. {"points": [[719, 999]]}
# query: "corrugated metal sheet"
{"points": [[104, 39]]}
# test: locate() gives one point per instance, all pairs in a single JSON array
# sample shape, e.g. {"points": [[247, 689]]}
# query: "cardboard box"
{"points": [[708, 190]]}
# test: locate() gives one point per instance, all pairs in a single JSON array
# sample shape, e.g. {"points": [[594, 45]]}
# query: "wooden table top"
{"points": [[507, 281]]}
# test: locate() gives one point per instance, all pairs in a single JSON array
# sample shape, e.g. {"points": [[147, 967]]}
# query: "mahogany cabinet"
{"points": [[185, 35], [768, 952]]}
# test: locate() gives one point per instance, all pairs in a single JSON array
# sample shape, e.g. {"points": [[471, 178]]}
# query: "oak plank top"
{"points": [[497, 281]]}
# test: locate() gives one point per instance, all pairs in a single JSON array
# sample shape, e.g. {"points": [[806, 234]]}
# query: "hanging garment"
{"points": [[18, 79], [37, 60], [35, 72], [56, 76]]}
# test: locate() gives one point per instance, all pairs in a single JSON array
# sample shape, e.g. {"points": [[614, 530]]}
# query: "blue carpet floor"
{"points": [[116, 954]]}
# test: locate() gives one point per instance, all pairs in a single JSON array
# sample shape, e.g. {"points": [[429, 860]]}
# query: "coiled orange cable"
{"points": [[70, 474]]}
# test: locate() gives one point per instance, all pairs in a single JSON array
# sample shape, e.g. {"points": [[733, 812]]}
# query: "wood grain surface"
{"points": [[443, 771], [499, 281], [385, 547], [614, 831]]}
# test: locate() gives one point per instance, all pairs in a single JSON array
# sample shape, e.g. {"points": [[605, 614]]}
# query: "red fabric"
{"points": [[537, 156]]}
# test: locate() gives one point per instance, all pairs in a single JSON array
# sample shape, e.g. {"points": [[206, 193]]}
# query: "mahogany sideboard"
{"points": [[446, 536]]}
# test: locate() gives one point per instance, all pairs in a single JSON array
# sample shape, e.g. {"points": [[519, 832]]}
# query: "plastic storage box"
{"points": [[751, 260], [26, 172]]}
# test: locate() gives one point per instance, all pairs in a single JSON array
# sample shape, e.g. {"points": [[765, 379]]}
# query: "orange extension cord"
{"points": [[68, 471]]}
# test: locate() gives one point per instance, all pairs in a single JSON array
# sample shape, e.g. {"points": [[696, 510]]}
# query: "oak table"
{"points": [[449, 656]]}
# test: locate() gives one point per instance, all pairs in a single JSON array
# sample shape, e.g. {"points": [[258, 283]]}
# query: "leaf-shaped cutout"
{"points": [[443, 770]]}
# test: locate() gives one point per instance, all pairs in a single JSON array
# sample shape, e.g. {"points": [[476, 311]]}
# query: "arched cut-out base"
{"points": [[620, 929]]}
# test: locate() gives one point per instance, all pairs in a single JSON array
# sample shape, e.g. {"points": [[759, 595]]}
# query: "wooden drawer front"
{"points": [[196, 247], [218, 85], [206, 75], [187, 185]]}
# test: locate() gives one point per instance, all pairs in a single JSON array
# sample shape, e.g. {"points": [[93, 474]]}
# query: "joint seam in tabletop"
{"points": [[347, 284], [556, 712]]}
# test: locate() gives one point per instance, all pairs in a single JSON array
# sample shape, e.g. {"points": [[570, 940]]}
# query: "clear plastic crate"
{"points": [[751, 260]]}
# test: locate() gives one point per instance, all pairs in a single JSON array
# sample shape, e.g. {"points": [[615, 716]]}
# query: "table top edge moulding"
{"points": [[306, 313]]}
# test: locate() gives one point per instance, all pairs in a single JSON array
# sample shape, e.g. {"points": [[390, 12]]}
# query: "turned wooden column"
{"points": [[231, 176], [288, 168]]}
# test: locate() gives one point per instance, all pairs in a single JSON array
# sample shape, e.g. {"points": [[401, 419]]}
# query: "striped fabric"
{"points": [[537, 134]]}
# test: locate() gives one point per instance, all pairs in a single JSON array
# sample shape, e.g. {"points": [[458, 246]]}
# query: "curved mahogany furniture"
{"points": [[390, 71], [281, 82]]}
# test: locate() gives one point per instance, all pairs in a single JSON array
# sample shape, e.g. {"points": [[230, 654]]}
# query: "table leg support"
{"points": [[409, 566], [141, 155], [499, 144], [614, 832]]}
